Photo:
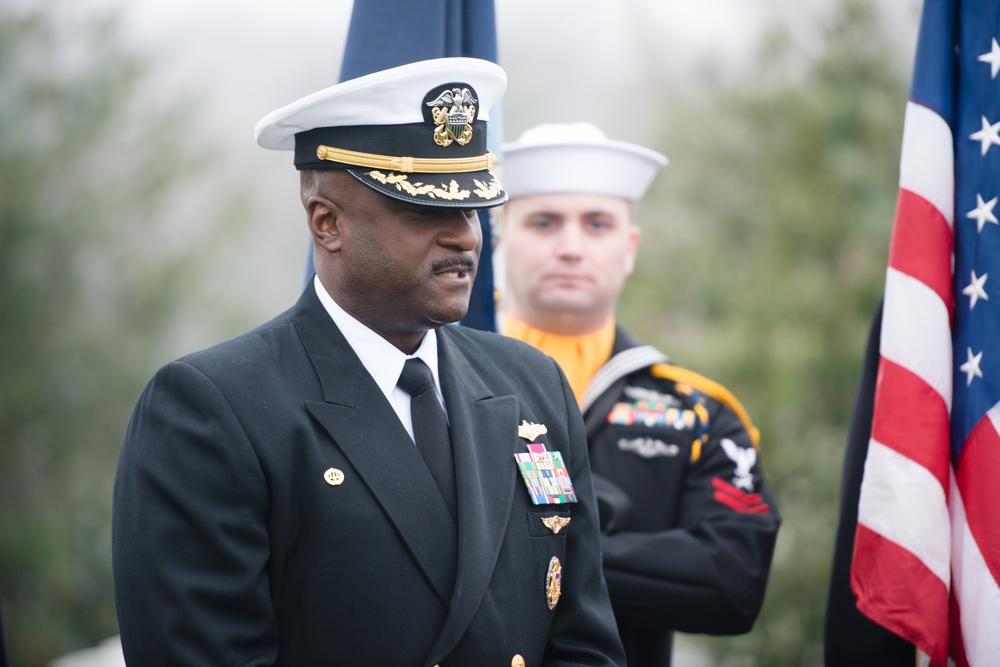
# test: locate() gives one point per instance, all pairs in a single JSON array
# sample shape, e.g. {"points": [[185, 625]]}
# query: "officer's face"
{"points": [[399, 268], [567, 257]]}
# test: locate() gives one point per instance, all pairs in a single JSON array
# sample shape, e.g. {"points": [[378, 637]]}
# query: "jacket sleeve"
{"points": [[707, 575], [189, 531], [583, 628]]}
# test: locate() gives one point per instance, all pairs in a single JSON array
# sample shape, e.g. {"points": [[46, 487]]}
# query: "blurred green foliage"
{"points": [[764, 251], [763, 257], [93, 281]]}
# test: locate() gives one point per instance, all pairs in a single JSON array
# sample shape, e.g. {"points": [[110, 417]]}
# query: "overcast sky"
{"points": [[566, 60], [255, 55]]}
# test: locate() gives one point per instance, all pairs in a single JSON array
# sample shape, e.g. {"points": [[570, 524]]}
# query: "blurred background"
{"points": [[139, 221]]}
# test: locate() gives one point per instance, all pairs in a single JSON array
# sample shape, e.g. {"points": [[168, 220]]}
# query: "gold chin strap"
{"points": [[407, 164]]}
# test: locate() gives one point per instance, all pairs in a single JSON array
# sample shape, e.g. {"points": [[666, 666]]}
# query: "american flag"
{"points": [[927, 550]]}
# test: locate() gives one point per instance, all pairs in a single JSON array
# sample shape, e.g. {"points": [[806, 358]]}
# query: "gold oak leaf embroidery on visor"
{"points": [[487, 190], [449, 192]]}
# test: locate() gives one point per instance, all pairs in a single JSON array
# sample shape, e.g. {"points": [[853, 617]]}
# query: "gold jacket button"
{"points": [[334, 477], [517, 661]]}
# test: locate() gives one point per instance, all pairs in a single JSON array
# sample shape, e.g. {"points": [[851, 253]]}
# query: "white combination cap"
{"points": [[415, 132], [577, 157]]}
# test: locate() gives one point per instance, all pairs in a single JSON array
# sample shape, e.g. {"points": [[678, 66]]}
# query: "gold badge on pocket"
{"points": [[553, 583], [555, 523]]}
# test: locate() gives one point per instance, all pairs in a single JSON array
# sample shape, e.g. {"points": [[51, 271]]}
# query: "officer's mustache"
{"points": [[466, 263]]}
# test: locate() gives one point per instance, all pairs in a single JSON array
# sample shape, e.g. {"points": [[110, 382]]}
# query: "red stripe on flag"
{"points": [[957, 647], [922, 244], [901, 594], [912, 419], [978, 478]]}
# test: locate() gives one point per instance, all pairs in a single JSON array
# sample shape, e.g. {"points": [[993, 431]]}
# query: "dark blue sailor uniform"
{"points": [[688, 523]]}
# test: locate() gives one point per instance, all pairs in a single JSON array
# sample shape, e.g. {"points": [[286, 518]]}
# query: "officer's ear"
{"points": [[324, 218]]}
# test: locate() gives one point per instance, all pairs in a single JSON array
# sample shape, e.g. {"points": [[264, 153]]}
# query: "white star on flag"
{"points": [[971, 367], [975, 290], [983, 212], [987, 136], [993, 58]]}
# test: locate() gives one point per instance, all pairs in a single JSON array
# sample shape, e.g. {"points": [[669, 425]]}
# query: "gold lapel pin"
{"points": [[334, 477], [555, 523], [531, 431]]}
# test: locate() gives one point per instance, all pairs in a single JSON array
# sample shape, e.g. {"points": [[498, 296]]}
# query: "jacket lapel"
{"points": [[366, 429], [484, 435]]}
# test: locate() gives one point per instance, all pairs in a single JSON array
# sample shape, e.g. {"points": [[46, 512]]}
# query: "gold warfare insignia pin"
{"points": [[531, 431], [555, 523], [334, 477], [453, 112], [553, 583]]}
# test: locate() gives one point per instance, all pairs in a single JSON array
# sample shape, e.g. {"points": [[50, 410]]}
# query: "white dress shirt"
{"points": [[383, 361]]}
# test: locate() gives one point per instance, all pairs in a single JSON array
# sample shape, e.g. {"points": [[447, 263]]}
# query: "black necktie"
{"points": [[430, 428]]}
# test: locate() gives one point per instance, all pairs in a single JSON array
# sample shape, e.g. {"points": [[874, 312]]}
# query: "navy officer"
{"points": [[354, 482]]}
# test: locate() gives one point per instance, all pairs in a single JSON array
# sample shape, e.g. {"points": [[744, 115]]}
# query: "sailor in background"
{"points": [[688, 523]]}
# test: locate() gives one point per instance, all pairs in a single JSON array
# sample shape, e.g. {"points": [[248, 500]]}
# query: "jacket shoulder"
{"points": [[507, 365], [687, 380], [244, 352], [487, 342]]}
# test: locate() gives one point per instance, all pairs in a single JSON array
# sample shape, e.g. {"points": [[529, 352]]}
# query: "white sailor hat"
{"points": [[415, 132], [577, 157]]}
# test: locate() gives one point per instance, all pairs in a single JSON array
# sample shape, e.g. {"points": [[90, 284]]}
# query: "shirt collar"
{"points": [[580, 357], [383, 361]]}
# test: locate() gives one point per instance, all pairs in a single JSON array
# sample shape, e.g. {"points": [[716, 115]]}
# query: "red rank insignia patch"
{"points": [[738, 499]]}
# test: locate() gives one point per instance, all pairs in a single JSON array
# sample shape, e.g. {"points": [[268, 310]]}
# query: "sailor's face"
{"points": [[567, 258]]}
